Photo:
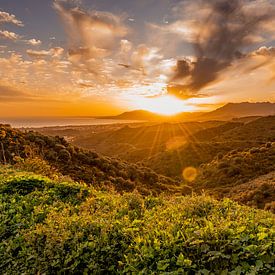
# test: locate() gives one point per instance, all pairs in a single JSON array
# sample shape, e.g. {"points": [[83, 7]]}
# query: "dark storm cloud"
{"points": [[223, 29]]}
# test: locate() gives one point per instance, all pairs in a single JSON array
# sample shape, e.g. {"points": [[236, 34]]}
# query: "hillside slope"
{"points": [[81, 165], [50, 227], [259, 193], [232, 174], [138, 143], [235, 110], [226, 112], [202, 147]]}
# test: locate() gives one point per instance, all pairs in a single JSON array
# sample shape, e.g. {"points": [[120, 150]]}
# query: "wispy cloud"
{"points": [[6, 17], [10, 94], [91, 34], [33, 42], [53, 52], [9, 35]]}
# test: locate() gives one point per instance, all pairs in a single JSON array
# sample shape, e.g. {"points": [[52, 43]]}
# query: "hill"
{"points": [[137, 115], [150, 116], [134, 143], [259, 192], [231, 175], [224, 156], [237, 110], [80, 164], [226, 112], [55, 227], [202, 147]]}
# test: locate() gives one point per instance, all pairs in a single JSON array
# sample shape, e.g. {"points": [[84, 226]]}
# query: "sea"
{"points": [[61, 121]]}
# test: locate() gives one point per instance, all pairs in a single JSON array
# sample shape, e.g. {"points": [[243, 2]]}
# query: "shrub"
{"points": [[53, 228]]}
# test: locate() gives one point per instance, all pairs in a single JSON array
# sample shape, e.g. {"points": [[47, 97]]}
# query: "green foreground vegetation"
{"points": [[55, 227]]}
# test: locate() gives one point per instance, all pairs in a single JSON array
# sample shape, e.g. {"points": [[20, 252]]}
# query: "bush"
{"points": [[53, 228]]}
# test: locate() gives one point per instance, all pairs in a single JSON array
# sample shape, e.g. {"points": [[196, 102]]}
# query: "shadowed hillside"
{"points": [[205, 145], [221, 159], [259, 192], [79, 164], [231, 175], [236, 110], [138, 143]]}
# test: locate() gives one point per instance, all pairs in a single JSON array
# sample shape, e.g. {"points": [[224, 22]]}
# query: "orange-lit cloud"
{"points": [[104, 62], [9, 35], [6, 17]]}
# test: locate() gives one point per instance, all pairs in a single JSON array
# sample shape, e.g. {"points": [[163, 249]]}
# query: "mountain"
{"points": [[138, 115], [237, 110], [226, 112], [150, 116]]}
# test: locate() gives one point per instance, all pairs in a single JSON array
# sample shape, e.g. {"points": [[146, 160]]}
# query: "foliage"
{"points": [[238, 166], [205, 145], [27, 149], [68, 228]]}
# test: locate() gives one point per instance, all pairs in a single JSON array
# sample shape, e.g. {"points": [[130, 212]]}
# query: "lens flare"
{"points": [[190, 174]]}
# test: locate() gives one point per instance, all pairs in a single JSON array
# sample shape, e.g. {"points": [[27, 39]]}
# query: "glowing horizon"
{"points": [[74, 58]]}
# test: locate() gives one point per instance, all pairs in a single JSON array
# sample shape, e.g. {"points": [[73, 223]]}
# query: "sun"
{"points": [[164, 105]]}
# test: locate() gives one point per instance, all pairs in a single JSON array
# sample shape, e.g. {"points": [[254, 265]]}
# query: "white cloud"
{"points": [[9, 35], [10, 18], [53, 52], [33, 42]]}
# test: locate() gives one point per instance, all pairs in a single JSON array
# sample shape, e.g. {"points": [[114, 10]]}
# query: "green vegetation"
{"points": [[226, 155], [230, 175], [135, 144], [80, 164], [238, 167], [54, 227], [205, 145]]}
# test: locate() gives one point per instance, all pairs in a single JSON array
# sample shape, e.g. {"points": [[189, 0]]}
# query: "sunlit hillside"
{"points": [[51, 226]]}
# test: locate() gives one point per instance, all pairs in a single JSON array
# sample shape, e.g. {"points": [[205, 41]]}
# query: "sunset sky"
{"points": [[103, 57]]}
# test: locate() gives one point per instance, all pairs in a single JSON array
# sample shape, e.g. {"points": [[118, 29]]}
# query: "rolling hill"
{"points": [[81, 165], [224, 154], [237, 110], [137, 143], [205, 145]]}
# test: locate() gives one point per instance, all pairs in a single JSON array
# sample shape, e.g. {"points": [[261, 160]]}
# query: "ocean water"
{"points": [[64, 121]]}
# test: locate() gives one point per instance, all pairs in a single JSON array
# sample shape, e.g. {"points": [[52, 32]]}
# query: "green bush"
{"points": [[48, 227]]}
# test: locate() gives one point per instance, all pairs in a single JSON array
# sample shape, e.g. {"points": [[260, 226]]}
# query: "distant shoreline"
{"points": [[62, 122]]}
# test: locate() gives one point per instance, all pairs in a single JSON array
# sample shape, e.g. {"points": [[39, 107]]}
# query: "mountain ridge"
{"points": [[227, 112]]}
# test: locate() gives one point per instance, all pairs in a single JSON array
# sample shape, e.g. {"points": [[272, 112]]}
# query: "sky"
{"points": [[103, 57]]}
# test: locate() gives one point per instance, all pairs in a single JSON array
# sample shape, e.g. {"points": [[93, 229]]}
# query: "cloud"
{"points": [[33, 42], [9, 35], [10, 94], [96, 32], [10, 18], [264, 51], [181, 28], [93, 38], [53, 52], [219, 32], [38, 54]]}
